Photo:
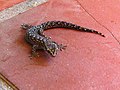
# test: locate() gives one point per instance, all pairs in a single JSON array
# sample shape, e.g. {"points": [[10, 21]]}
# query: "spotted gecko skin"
{"points": [[35, 36]]}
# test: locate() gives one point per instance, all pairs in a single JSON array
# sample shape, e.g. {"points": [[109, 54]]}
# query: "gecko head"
{"points": [[52, 48]]}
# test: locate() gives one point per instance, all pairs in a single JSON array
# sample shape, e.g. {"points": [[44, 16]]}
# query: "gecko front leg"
{"points": [[34, 51]]}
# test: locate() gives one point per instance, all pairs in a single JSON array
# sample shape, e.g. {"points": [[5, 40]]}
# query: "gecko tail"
{"points": [[91, 31]]}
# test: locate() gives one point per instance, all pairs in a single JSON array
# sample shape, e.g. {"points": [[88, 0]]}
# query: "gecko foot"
{"points": [[26, 26], [34, 54], [62, 47]]}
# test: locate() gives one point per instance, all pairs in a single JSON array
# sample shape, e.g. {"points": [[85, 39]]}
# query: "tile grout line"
{"points": [[19, 8], [6, 84]]}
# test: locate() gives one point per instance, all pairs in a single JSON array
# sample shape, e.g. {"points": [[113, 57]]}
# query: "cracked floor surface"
{"points": [[89, 62], [98, 22]]}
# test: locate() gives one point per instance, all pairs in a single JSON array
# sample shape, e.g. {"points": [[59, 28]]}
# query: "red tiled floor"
{"points": [[8, 3], [89, 62]]}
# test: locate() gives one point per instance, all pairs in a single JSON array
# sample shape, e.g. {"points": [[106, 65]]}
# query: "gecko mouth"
{"points": [[52, 52]]}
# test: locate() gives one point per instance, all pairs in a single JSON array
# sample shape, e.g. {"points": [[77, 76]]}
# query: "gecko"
{"points": [[39, 41]]}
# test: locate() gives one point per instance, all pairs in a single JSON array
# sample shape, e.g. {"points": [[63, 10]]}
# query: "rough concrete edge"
{"points": [[19, 8]]}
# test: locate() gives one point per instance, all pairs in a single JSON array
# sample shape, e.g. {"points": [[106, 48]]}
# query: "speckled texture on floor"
{"points": [[90, 61]]}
